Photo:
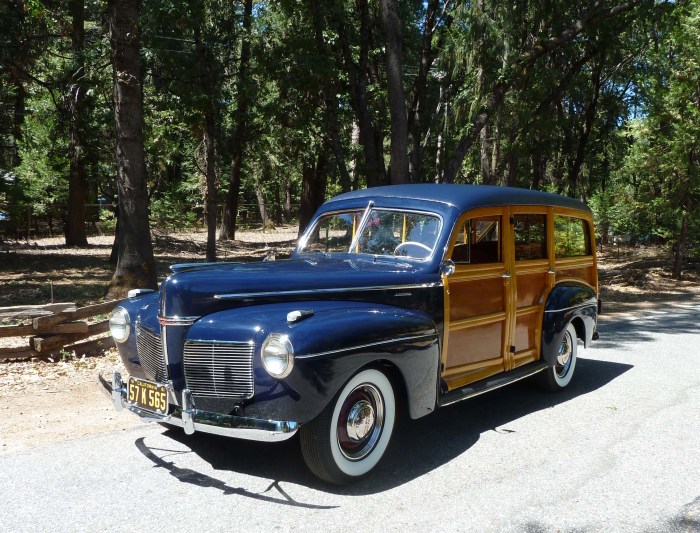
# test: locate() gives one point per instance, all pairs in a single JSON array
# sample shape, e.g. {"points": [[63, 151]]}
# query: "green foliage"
{"points": [[612, 117]]}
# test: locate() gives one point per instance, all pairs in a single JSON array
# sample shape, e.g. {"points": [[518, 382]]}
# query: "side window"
{"points": [[571, 237], [478, 241], [530, 237]]}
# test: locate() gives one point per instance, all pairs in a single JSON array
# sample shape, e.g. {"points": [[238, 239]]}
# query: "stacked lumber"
{"points": [[55, 328]]}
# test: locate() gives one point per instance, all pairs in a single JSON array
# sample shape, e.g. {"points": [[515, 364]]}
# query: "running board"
{"points": [[491, 383]]}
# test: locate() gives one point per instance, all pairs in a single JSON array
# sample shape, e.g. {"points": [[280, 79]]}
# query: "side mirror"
{"points": [[447, 267]]}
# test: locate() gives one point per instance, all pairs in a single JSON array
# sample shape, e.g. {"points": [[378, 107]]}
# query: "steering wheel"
{"points": [[412, 243]]}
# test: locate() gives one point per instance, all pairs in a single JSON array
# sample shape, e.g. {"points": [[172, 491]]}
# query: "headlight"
{"points": [[277, 355], [120, 324]]}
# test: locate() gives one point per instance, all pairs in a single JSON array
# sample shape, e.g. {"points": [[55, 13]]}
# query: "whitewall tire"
{"points": [[350, 436]]}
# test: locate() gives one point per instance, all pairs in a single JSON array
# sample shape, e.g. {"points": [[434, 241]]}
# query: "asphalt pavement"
{"points": [[619, 450]]}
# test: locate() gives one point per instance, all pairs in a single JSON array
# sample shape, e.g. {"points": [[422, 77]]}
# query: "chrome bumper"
{"points": [[191, 419]]}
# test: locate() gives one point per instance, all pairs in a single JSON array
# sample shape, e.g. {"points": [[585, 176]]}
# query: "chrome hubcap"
{"points": [[360, 422], [564, 356]]}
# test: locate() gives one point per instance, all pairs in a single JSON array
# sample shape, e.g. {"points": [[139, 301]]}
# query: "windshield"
{"points": [[385, 232]]}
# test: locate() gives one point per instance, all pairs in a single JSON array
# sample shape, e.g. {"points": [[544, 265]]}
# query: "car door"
{"points": [[532, 280], [479, 298]]}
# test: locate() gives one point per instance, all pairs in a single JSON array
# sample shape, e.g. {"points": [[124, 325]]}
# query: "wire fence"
{"points": [[26, 222]]}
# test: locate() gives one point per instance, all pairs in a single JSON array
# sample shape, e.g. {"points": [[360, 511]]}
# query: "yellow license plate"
{"points": [[148, 395]]}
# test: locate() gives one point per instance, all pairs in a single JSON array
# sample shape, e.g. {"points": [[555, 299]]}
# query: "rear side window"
{"points": [[478, 241], [571, 237], [530, 237]]}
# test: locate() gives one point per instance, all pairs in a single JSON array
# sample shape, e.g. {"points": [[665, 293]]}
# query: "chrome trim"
{"points": [[149, 348], [369, 345], [219, 370], [192, 420], [363, 221], [322, 291], [360, 226], [177, 320], [588, 304], [118, 391], [164, 343], [133, 293], [489, 389]]}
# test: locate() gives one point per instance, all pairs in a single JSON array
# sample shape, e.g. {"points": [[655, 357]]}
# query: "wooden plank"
{"points": [[70, 327], [28, 311], [18, 353], [94, 309], [83, 348], [54, 342], [46, 323], [16, 331]]}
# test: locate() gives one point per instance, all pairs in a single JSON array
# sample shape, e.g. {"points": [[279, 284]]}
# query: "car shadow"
{"points": [[417, 447]]}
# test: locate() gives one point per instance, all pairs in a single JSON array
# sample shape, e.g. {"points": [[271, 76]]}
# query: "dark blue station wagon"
{"points": [[424, 294]]}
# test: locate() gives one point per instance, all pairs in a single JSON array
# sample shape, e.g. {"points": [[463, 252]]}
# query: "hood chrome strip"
{"points": [[177, 320], [243, 295], [424, 336]]}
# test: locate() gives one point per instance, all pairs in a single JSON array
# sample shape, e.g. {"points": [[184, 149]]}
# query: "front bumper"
{"points": [[191, 419]]}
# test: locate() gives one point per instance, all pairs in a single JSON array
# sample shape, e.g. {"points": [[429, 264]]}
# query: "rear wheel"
{"points": [[351, 434], [557, 377]]}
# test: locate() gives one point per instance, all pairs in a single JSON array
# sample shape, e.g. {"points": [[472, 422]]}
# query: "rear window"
{"points": [[571, 237]]}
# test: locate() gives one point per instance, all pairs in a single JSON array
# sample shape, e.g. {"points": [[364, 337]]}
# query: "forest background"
{"points": [[174, 112]]}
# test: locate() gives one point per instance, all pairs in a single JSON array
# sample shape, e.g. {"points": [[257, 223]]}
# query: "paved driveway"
{"points": [[618, 451]]}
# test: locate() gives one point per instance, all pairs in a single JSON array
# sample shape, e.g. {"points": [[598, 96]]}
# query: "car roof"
{"points": [[463, 197]]}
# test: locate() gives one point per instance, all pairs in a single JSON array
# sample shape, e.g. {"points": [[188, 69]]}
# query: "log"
{"points": [[16, 331], [54, 342], [83, 348], [45, 323], [29, 311], [70, 327]]}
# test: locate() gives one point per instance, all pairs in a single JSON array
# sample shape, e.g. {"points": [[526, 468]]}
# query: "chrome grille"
{"points": [[150, 348], [219, 369]]}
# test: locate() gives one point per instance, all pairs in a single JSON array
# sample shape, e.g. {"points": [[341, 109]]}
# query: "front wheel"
{"points": [[350, 436], [557, 377]]}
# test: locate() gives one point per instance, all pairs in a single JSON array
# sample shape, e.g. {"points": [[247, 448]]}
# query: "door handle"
{"points": [[506, 275]]}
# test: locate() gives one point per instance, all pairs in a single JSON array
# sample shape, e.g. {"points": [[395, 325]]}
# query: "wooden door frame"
{"points": [[469, 272]]}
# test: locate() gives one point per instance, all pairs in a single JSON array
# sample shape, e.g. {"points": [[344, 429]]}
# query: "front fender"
{"points": [[331, 343]]}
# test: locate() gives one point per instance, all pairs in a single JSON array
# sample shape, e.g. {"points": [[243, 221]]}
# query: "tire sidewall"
{"points": [[563, 381], [358, 468]]}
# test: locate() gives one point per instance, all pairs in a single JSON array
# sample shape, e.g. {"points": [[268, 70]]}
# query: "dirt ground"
{"points": [[45, 401]]}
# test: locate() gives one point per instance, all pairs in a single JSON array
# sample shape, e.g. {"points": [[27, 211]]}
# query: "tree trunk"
{"points": [[397, 99], [208, 93], [589, 119], [486, 153], [330, 96], [227, 231], [210, 184], [18, 121], [287, 201], [358, 77], [136, 265], [264, 217], [313, 189], [679, 249], [77, 186]]}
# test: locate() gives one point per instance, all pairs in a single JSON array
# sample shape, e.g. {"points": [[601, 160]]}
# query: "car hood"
{"points": [[192, 291]]}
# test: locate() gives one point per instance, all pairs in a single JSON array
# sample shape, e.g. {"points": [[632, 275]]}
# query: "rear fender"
{"points": [[568, 302]]}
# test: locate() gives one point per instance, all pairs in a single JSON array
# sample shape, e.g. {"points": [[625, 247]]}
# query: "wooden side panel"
{"points": [[527, 329], [477, 297], [474, 344]]}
